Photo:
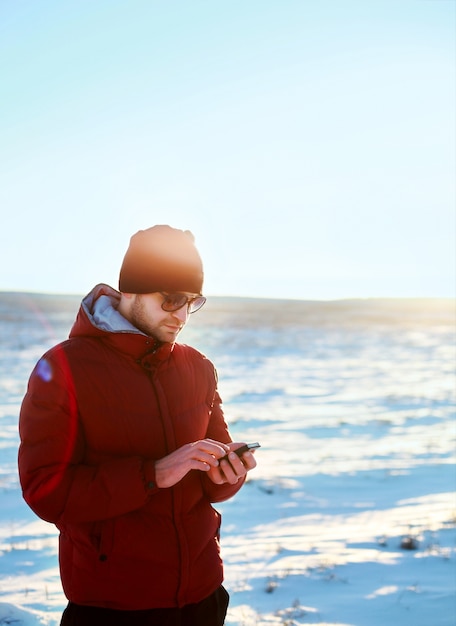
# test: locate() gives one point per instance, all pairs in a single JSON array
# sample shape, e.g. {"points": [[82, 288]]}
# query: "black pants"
{"points": [[208, 612]]}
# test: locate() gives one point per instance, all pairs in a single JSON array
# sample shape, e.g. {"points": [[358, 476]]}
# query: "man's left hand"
{"points": [[231, 470]]}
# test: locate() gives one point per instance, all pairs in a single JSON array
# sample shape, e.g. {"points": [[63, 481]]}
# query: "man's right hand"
{"points": [[200, 455]]}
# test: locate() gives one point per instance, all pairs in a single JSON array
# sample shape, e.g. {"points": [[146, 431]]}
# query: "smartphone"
{"points": [[240, 451]]}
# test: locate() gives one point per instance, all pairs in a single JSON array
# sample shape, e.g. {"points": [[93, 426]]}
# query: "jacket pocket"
{"points": [[102, 539]]}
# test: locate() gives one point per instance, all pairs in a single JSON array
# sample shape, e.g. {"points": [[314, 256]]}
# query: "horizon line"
{"points": [[348, 298]]}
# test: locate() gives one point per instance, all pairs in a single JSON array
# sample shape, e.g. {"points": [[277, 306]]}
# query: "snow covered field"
{"points": [[349, 518]]}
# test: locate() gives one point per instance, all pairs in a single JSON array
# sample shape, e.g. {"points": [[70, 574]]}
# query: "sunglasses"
{"points": [[175, 301]]}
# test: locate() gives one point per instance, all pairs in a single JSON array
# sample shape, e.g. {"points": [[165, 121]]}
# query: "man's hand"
{"points": [[200, 455], [231, 470]]}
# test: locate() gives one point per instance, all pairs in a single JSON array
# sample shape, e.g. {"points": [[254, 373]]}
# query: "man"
{"points": [[122, 446]]}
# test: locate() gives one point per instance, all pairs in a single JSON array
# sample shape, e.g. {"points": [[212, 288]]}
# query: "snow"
{"points": [[354, 408]]}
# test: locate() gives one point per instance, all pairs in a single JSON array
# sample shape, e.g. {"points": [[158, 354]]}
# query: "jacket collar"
{"points": [[98, 317]]}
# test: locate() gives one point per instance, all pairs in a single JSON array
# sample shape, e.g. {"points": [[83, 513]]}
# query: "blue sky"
{"points": [[310, 146]]}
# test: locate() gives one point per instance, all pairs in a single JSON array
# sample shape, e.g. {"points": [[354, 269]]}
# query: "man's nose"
{"points": [[182, 313]]}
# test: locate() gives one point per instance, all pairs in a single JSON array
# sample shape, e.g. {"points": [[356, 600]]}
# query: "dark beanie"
{"points": [[161, 258]]}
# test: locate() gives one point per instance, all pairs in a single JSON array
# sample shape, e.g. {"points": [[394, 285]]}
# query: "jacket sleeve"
{"points": [[56, 483], [218, 430]]}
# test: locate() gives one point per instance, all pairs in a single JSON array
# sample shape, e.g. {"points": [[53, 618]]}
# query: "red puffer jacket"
{"points": [[100, 408]]}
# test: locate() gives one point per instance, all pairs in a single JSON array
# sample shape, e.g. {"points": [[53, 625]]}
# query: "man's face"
{"points": [[147, 315]]}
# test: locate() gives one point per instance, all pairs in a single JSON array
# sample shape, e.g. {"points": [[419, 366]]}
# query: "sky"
{"points": [[310, 146]]}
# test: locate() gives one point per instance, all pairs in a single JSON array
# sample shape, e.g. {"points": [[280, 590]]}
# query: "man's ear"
{"points": [[125, 304]]}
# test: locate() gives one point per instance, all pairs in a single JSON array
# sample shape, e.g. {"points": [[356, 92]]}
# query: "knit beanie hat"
{"points": [[161, 258]]}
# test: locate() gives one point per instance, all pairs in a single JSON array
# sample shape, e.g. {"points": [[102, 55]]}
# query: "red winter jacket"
{"points": [[99, 409]]}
